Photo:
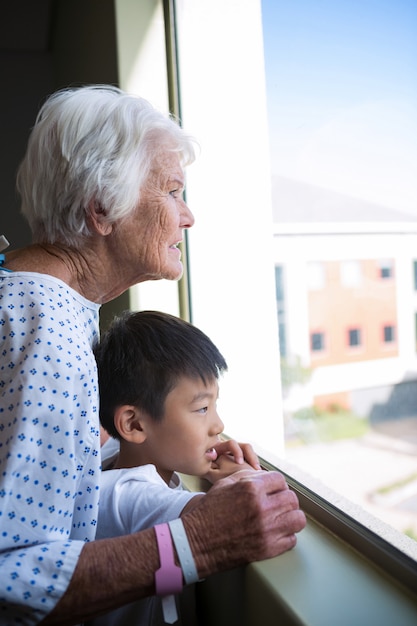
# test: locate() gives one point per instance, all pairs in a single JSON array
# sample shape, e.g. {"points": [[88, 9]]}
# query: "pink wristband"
{"points": [[168, 578]]}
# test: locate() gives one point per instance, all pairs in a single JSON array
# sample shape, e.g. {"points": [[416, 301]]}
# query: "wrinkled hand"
{"points": [[248, 516]]}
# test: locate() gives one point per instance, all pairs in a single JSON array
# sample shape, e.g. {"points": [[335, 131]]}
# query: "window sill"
{"points": [[343, 571], [319, 583]]}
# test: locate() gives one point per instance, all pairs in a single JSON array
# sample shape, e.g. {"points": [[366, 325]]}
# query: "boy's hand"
{"points": [[232, 457], [240, 452]]}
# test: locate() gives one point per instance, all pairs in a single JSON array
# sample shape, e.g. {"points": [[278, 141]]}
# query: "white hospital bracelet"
{"points": [[184, 553]]}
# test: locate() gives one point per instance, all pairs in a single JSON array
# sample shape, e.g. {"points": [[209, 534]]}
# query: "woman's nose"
{"points": [[187, 218]]}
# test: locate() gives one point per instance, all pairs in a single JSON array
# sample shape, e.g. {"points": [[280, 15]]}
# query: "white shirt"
{"points": [[136, 498], [133, 499]]}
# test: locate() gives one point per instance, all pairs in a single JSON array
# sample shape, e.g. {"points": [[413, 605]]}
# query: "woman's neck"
{"points": [[89, 271]]}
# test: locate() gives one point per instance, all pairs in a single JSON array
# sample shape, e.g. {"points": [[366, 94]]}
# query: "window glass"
{"points": [[317, 342], [354, 337], [280, 293], [389, 334], [341, 81], [386, 269]]}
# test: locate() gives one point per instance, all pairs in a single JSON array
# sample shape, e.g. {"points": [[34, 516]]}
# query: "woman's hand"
{"points": [[248, 516]]}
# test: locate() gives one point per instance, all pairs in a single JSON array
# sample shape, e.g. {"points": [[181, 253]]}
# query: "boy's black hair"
{"points": [[141, 357]]}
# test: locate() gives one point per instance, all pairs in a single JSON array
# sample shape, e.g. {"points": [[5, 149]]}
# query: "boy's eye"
{"points": [[202, 410]]}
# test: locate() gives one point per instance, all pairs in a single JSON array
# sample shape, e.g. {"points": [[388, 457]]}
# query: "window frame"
{"points": [[364, 539]]}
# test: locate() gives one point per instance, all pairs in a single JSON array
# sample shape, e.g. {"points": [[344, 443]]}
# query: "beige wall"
{"points": [[369, 306]]}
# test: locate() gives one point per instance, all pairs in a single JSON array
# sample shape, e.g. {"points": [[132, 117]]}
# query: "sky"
{"points": [[342, 95]]}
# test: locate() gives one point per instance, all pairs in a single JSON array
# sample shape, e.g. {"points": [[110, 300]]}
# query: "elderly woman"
{"points": [[101, 186]]}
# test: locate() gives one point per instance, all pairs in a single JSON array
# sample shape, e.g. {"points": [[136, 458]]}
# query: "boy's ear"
{"points": [[97, 218], [128, 423]]}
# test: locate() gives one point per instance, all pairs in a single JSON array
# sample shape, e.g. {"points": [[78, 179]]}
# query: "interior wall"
{"points": [[25, 72], [83, 42], [46, 45], [84, 51]]}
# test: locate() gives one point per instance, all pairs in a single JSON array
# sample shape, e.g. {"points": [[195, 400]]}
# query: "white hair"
{"points": [[94, 143]]}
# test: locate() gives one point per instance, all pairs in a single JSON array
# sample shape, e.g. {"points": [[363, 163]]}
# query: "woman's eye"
{"points": [[177, 192]]}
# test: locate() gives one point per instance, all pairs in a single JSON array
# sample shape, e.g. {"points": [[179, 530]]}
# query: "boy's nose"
{"points": [[219, 425]]}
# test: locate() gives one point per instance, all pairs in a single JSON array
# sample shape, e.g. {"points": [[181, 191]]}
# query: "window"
{"points": [[354, 337], [320, 164], [415, 331], [386, 269], [342, 100], [389, 334], [280, 295], [317, 342]]}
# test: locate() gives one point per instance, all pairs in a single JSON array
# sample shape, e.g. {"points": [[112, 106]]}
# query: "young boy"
{"points": [[158, 381]]}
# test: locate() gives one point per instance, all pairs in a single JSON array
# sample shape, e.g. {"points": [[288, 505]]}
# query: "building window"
{"points": [[415, 329], [280, 297], [317, 342], [386, 269], [354, 337], [389, 333]]}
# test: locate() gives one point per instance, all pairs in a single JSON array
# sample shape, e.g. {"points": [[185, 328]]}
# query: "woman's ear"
{"points": [[128, 423], [97, 218]]}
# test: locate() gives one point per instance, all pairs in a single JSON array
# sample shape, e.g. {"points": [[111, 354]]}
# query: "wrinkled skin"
{"points": [[257, 513], [249, 516]]}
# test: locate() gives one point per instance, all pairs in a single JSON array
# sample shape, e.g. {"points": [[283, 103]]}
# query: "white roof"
{"points": [[299, 202]]}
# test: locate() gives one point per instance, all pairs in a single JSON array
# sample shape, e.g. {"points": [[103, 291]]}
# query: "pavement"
{"points": [[378, 472]]}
